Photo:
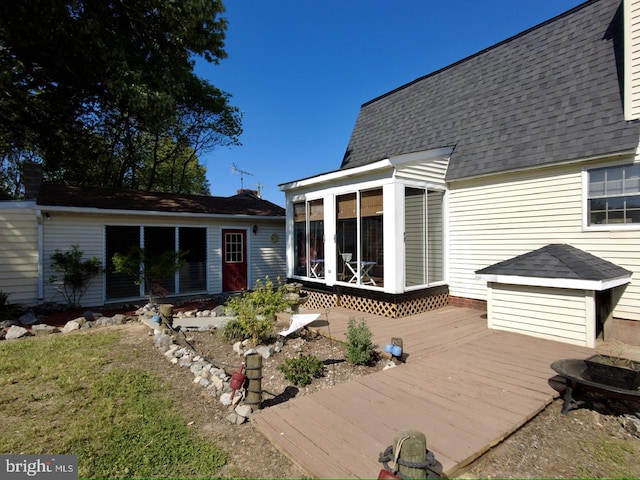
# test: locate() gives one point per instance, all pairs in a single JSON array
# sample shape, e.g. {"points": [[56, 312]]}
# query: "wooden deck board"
{"points": [[464, 386]]}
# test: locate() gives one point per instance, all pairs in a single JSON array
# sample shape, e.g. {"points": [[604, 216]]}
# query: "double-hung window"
{"points": [[614, 195]]}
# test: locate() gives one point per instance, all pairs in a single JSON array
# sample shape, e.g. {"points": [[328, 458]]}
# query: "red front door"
{"points": [[234, 260]]}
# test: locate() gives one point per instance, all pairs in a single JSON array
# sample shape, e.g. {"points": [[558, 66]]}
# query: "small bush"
{"points": [[256, 310], [300, 371], [360, 350], [234, 330], [75, 273]]}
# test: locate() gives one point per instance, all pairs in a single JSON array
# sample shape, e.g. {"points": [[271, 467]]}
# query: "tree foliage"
{"points": [[104, 92], [74, 274]]}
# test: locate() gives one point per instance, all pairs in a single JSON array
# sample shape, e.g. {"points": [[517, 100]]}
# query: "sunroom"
{"points": [[371, 238]]}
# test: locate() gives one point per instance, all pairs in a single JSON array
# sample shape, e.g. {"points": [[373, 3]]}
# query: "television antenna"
{"points": [[236, 171], [260, 187]]}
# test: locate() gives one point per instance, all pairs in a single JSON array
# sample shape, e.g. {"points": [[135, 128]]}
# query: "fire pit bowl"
{"points": [[614, 371], [577, 374]]}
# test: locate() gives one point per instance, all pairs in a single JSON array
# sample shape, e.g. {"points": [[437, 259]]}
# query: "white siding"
{"points": [[632, 59], [431, 171], [267, 258], [551, 313], [19, 252], [494, 220], [62, 230]]}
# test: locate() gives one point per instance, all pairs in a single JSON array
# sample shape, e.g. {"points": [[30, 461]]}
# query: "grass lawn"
{"points": [[79, 395]]}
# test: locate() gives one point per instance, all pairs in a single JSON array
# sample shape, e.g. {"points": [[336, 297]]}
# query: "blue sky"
{"points": [[300, 70]]}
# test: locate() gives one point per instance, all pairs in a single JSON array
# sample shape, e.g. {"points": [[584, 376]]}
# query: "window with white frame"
{"points": [[614, 195], [308, 233]]}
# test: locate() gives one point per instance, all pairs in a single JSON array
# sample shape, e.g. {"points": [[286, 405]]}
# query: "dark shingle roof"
{"points": [[550, 94], [115, 199], [557, 261]]}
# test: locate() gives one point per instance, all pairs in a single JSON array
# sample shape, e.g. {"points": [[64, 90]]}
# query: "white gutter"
{"points": [[40, 234], [109, 211]]}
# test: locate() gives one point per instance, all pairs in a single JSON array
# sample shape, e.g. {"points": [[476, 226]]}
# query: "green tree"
{"points": [[74, 274], [94, 88], [150, 269]]}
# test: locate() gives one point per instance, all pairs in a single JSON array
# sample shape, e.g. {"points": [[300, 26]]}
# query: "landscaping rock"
{"points": [[3, 334], [250, 351], [119, 318], [243, 410], [265, 350], [15, 332], [219, 311], [296, 343], [237, 347], [43, 329], [28, 318], [162, 340], [225, 399], [197, 367], [631, 424], [88, 324], [185, 361], [9, 323], [71, 325], [90, 316]]}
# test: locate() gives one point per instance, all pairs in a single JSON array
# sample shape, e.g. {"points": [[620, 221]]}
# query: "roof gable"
{"points": [[117, 199], [551, 94]]}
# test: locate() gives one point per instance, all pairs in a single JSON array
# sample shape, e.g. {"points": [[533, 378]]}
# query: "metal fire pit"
{"points": [[576, 374]]}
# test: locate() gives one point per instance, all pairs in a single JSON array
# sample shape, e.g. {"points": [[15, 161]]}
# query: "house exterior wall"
{"points": [[19, 252], [497, 218], [632, 59], [565, 315], [64, 229]]}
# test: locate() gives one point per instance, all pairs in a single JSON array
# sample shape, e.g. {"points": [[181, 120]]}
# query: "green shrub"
{"points": [[76, 274], [234, 330], [301, 370], [256, 310], [360, 350]]}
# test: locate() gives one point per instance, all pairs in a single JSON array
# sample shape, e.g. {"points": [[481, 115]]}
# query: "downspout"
{"points": [[40, 234]]}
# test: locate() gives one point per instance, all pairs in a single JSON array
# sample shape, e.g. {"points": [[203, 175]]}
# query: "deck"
{"points": [[464, 386]]}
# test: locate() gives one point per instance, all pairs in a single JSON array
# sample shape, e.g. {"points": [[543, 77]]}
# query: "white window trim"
{"points": [[629, 227]]}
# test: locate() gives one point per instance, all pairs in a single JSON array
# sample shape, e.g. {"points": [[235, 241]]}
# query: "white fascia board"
{"points": [[336, 175], [597, 285], [387, 163], [153, 213]]}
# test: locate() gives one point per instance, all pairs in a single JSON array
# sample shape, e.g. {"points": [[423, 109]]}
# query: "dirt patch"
{"points": [[593, 442]]}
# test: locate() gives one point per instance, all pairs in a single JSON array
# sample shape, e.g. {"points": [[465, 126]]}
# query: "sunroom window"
{"points": [[359, 238], [308, 232], [614, 195], [423, 240]]}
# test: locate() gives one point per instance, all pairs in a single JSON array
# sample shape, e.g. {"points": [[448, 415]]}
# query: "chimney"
{"points": [[31, 179]]}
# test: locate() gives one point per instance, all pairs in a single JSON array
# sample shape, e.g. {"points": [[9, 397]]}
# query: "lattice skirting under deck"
{"points": [[321, 301]]}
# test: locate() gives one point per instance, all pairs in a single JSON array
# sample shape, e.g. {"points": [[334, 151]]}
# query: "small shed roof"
{"points": [[118, 199], [558, 265]]}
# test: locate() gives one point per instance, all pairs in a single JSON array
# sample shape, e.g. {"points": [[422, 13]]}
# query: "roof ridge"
{"points": [[481, 52]]}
